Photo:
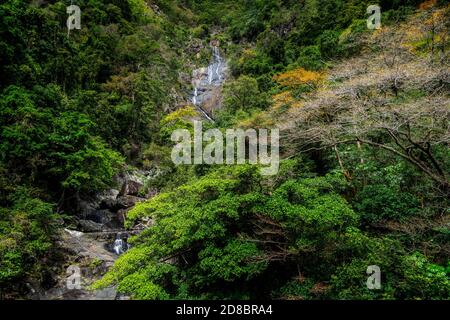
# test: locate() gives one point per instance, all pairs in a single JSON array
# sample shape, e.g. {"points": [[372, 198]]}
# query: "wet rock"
{"points": [[108, 198], [128, 201], [89, 253], [122, 297], [132, 187], [122, 215], [87, 207], [131, 183], [89, 226], [100, 220], [85, 245], [98, 240], [62, 293]]}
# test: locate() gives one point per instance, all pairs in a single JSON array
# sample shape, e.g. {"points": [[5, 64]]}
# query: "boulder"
{"points": [[89, 226], [131, 183], [87, 207], [132, 187], [108, 198], [122, 215]]}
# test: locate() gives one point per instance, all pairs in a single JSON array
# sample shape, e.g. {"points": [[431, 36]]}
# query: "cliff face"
{"points": [[207, 83]]}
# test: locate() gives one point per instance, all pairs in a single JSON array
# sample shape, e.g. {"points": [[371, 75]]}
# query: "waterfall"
{"points": [[120, 245], [194, 98], [218, 61], [210, 74], [205, 114], [206, 79]]}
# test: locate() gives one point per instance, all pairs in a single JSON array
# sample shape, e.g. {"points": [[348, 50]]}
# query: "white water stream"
{"points": [[205, 80]]}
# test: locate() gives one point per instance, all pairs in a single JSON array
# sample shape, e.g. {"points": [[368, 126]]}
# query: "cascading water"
{"points": [[210, 74], [218, 63], [194, 98], [206, 80], [120, 245]]}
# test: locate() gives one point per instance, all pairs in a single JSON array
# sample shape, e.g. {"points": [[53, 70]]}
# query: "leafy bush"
{"points": [[328, 43], [244, 94], [403, 275], [378, 202], [310, 58], [46, 142]]}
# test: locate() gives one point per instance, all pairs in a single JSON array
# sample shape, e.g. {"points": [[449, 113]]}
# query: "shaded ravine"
{"points": [[94, 241], [100, 237]]}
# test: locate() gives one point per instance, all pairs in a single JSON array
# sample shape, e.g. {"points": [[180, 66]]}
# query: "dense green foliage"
{"points": [[304, 33], [73, 107], [227, 233], [24, 236], [77, 108]]}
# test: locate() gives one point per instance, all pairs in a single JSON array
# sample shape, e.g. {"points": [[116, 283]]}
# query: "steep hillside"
{"points": [[75, 108], [364, 180], [88, 180]]}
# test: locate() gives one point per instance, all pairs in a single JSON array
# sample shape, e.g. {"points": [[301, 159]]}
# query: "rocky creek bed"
{"points": [[94, 239]]}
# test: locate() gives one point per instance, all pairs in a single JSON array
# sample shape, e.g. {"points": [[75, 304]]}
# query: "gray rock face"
{"points": [[98, 241], [131, 183], [89, 226], [107, 198], [132, 187], [107, 210], [84, 245], [128, 201], [88, 253]]}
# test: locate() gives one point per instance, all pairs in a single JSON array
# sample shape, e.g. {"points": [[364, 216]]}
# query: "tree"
{"points": [[244, 94], [298, 77], [385, 107], [40, 141], [25, 236]]}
